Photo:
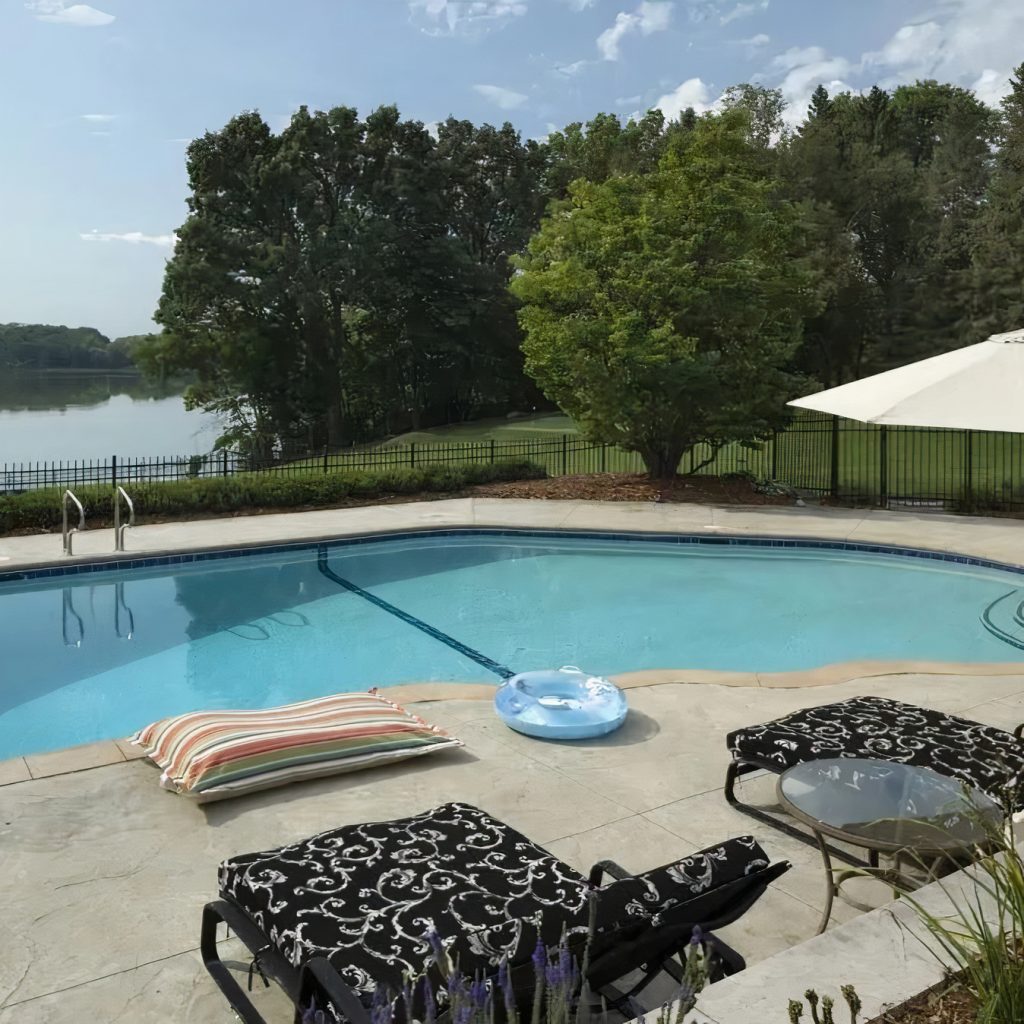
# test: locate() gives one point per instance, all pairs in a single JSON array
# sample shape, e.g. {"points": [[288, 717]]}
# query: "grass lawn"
{"points": [[921, 464]]}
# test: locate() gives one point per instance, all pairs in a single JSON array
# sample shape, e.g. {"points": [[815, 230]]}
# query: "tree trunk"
{"points": [[662, 460]]}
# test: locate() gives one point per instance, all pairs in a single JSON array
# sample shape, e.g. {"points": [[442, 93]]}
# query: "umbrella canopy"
{"points": [[980, 387]]}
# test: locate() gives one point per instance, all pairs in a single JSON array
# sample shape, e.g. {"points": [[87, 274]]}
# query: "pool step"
{"points": [[1004, 619]]}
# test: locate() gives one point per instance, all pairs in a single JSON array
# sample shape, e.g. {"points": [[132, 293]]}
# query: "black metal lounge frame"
{"points": [[981, 756], [620, 942]]}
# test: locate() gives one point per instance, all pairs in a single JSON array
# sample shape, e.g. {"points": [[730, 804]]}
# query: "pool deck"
{"points": [[104, 875]]}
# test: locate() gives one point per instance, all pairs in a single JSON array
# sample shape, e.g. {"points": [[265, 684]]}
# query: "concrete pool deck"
{"points": [[104, 875]]}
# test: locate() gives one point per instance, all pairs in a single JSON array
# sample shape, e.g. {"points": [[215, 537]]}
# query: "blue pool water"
{"points": [[97, 655]]}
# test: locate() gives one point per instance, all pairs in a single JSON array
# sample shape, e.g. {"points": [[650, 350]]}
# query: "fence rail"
{"points": [[819, 455]]}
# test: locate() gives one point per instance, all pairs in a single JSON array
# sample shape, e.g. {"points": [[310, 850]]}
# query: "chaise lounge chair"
{"points": [[986, 758], [338, 916]]}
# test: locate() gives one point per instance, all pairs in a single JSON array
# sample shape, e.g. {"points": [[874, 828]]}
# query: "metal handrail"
{"points": [[118, 528], [67, 534]]}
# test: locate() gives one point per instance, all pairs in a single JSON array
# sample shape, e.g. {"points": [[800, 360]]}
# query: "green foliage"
{"points": [[827, 1005], [983, 935], [248, 492], [996, 285], [347, 277], [890, 185], [44, 347], [660, 310]]}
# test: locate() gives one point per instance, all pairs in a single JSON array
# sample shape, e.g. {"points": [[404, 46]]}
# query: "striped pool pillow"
{"points": [[209, 755]]}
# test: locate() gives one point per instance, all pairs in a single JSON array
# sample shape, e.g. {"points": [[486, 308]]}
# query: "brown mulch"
{"points": [[953, 1006], [634, 487]]}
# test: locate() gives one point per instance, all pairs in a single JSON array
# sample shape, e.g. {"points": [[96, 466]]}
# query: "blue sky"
{"points": [[100, 101]]}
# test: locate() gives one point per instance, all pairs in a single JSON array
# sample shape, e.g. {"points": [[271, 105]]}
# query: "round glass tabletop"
{"points": [[887, 806]]}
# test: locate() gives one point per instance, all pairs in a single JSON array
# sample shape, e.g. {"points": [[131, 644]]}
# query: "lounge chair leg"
{"points": [[736, 771], [218, 970]]}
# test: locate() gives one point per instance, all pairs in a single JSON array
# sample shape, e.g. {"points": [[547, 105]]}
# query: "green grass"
{"points": [[928, 465]]}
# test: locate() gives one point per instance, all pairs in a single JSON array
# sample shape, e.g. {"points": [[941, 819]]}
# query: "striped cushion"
{"points": [[209, 755]]}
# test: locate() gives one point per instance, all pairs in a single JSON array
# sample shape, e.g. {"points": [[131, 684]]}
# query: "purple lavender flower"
{"points": [[697, 936], [540, 958], [380, 1009]]}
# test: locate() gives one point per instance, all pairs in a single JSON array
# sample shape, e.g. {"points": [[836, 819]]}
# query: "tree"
{"points": [[997, 256], [891, 184], [660, 310]]}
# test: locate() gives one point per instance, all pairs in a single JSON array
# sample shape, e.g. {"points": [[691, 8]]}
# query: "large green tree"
{"points": [[661, 309], [890, 184], [348, 277], [997, 265]]}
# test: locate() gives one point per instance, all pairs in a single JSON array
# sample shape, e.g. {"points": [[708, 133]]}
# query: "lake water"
{"points": [[53, 415]]}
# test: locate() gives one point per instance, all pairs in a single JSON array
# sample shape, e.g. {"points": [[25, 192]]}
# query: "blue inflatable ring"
{"points": [[560, 704]]}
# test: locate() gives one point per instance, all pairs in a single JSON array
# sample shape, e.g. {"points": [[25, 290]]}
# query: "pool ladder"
{"points": [[67, 533]]}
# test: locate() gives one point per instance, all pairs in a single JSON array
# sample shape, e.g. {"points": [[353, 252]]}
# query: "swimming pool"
{"points": [[100, 652]]}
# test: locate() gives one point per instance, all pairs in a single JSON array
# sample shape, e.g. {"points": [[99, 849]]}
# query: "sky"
{"points": [[99, 102]]}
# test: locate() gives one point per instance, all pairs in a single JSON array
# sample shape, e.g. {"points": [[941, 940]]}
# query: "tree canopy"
{"points": [[46, 347], [346, 275], [350, 277], [661, 310]]}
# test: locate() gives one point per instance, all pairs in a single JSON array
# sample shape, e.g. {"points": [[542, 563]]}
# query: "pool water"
{"points": [[97, 655]]}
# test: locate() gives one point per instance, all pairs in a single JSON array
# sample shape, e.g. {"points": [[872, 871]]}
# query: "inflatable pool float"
{"points": [[560, 704]]}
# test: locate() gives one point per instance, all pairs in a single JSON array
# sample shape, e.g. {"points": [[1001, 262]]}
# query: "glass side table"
{"points": [[887, 808]]}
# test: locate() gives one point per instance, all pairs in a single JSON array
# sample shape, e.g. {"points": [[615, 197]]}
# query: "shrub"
{"points": [[40, 510]]}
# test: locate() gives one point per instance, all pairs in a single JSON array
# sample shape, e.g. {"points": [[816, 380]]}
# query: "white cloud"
{"points": [[99, 118], [975, 43], [448, 17], [507, 99], [580, 5], [629, 101], [991, 86], [132, 237], [694, 92], [61, 13], [756, 42], [573, 69], [743, 10], [650, 16], [805, 68]]}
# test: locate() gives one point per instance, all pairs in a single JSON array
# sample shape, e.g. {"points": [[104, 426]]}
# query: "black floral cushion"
{"points": [[364, 896], [875, 727]]}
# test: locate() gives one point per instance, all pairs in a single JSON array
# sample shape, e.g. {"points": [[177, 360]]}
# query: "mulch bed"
{"points": [[634, 487], [953, 1006]]}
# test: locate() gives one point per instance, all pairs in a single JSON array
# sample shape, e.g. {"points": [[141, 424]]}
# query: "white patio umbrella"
{"points": [[980, 387]]}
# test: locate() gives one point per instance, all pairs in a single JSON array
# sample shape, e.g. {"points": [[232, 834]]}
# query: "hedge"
{"points": [[41, 510]]}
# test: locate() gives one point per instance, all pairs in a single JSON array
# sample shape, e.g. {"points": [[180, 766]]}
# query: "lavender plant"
{"points": [[560, 991]]}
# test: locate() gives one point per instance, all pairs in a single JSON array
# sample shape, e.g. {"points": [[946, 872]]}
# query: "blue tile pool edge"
{"points": [[312, 545]]}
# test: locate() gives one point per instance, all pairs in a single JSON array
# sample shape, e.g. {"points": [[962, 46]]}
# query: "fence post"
{"points": [[412, 454], [492, 451], [565, 455], [325, 458], [883, 466], [113, 472], [834, 468], [604, 458], [968, 466], [775, 455], [224, 461]]}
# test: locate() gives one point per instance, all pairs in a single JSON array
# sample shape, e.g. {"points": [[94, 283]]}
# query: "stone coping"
{"points": [[888, 956], [106, 752]]}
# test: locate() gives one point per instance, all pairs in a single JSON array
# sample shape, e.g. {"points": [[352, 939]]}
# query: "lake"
{"points": [[64, 415]]}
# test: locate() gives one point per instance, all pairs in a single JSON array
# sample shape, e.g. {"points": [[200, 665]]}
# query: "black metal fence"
{"points": [[820, 455]]}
